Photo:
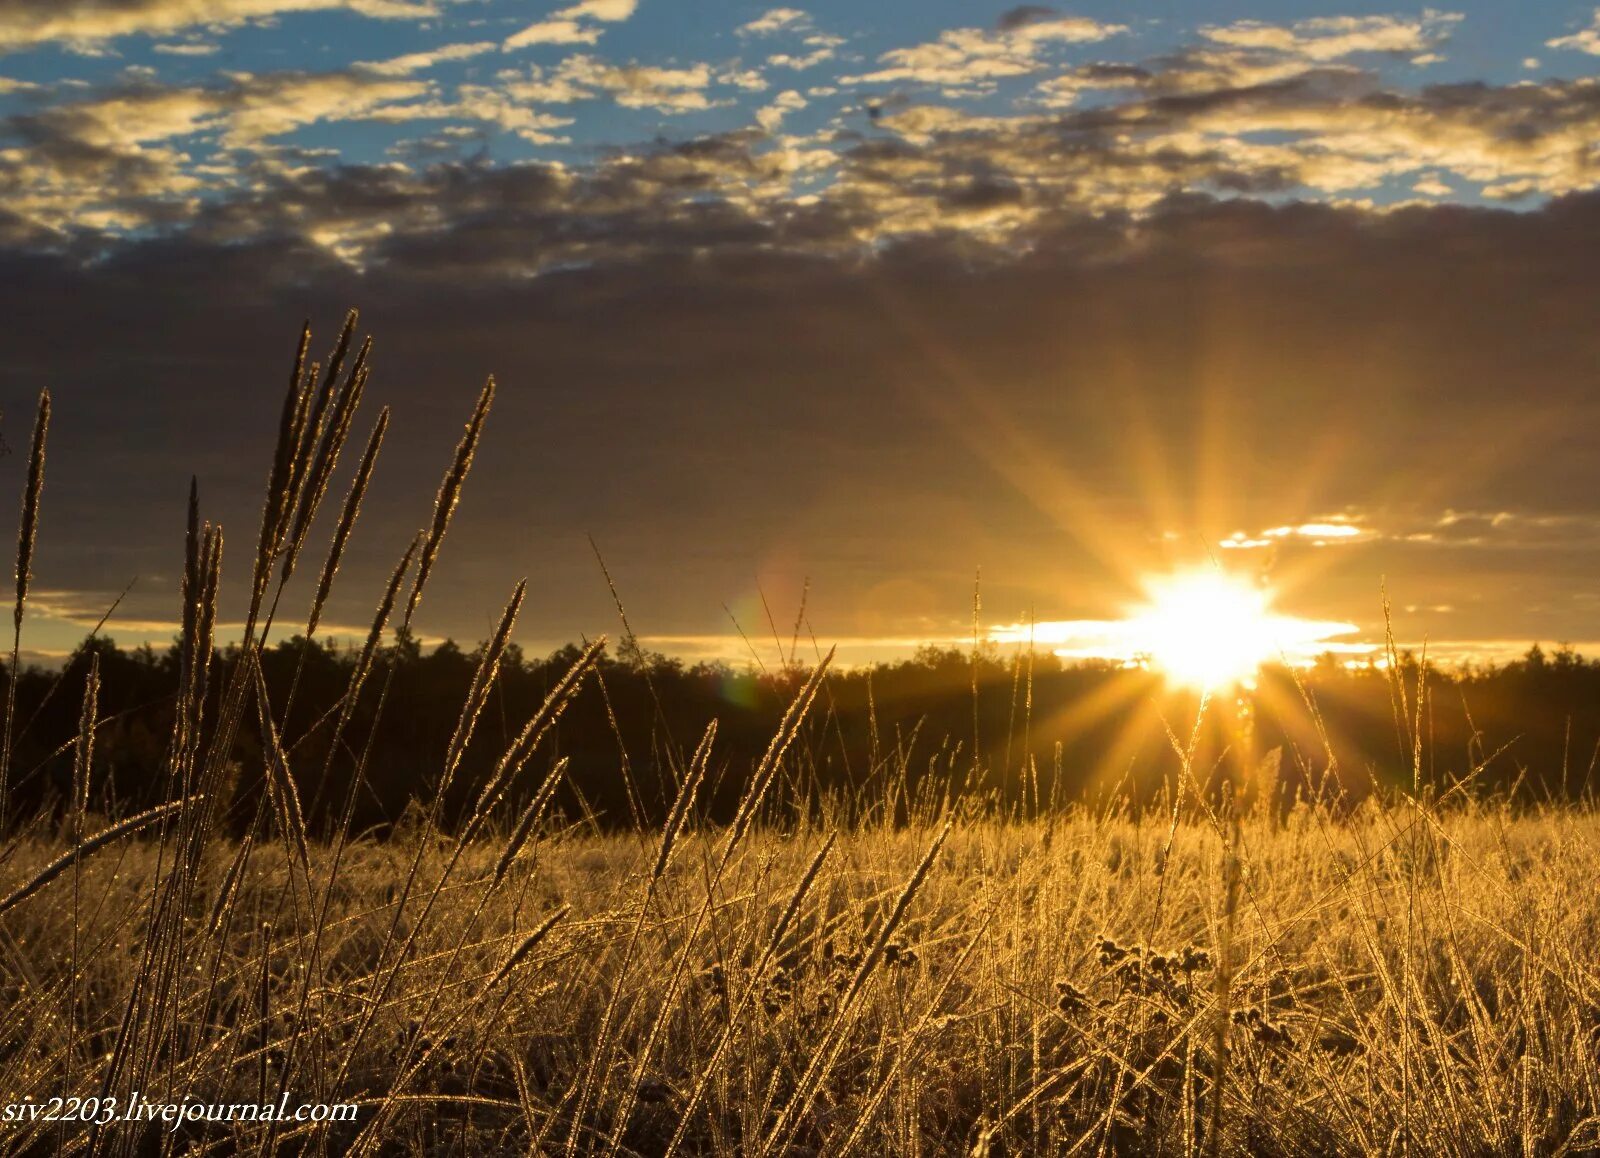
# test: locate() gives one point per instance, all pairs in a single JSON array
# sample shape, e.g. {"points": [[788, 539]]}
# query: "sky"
{"points": [[843, 303]]}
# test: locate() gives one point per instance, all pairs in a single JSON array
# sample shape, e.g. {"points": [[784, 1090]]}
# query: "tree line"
{"points": [[1007, 730]]}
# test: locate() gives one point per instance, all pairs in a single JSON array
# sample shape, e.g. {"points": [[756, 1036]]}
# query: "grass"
{"points": [[1025, 1001], [1409, 977]]}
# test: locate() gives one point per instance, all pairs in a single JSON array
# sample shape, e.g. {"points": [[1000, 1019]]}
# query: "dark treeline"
{"points": [[1039, 732]]}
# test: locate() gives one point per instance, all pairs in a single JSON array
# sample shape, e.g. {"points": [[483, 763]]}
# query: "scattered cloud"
{"points": [[637, 86], [1507, 530], [140, 152], [819, 46], [572, 25], [421, 61], [554, 31], [776, 20], [1584, 40], [823, 47], [120, 160], [485, 105], [967, 56], [1328, 38], [90, 23], [771, 116], [258, 109], [1063, 89], [748, 79]]}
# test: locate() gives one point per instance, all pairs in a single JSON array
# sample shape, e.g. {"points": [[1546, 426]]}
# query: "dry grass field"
{"points": [[1400, 984], [1414, 976]]}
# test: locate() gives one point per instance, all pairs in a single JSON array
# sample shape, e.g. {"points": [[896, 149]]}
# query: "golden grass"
{"points": [[1020, 998]]}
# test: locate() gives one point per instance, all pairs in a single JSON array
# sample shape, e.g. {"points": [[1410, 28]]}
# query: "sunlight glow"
{"points": [[1206, 630], [1201, 629]]}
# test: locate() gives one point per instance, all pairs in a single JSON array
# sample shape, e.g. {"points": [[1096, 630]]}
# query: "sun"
{"points": [[1205, 630]]}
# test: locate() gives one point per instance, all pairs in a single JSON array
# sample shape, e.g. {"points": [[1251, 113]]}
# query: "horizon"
{"points": [[764, 657]]}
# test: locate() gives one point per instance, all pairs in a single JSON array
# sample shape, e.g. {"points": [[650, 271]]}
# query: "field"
{"points": [[1214, 974], [994, 988]]}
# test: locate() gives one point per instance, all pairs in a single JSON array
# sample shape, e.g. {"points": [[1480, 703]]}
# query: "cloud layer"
{"points": [[907, 145]]}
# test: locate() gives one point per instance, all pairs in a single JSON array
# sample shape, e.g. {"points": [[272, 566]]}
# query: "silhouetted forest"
{"points": [[1006, 731]]}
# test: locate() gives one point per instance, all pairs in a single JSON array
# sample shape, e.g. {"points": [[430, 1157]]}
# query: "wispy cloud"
{"points": [[580, 23], [776, 20], [967, 56], [1327, 38], [420, 61], [639, 86], [791, 24], [1318, 533], [1584, 40]]}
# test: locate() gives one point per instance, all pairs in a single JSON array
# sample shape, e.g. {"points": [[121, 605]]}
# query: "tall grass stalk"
{"points": [[27, 535]]}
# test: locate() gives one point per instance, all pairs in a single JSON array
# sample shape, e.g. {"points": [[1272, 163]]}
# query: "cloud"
{"points": [[1584, 40], [823, 47], [554, 32], [1328, 38], [1534, 136], [139, 154], [637, 86], [748, 79], [1063, 89], [966, 56], [1325, 532], [776, 20], [1504, 530], [258, 109], [486, 105], [568, 25], [1206, 70], [421, 61], [119, 160], [613, 11], [187, 48], [1320, 131], [1250, 54], [25, 23], [771, 116]]}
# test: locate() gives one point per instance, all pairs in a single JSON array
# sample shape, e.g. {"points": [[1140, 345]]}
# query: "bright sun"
{"points": [[1205, 630]]}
